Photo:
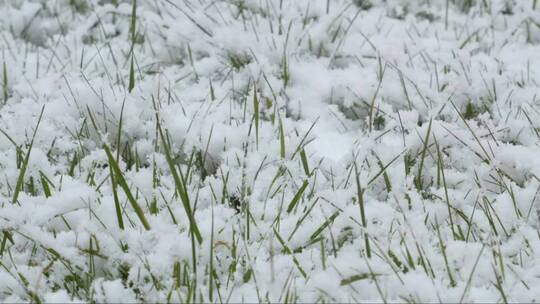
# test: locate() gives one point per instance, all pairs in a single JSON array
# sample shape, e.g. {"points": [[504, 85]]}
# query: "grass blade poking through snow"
{"points": [[117, 207], [131, 75], [256, 115], [5, 82], [281, 139], [447, 198], [180, 187], [360, 193], [114, 184], [326, 223], [304, 160], [133, 39], [22, 171], [122, 182], [297, 197], [418, 180], [289, 252], [443, 251]]}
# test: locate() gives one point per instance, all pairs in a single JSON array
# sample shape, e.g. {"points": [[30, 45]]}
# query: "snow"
{"points": [[330, 151]]}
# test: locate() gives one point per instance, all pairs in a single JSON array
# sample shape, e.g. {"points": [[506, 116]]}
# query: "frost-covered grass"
{"points": [[269, 150]]}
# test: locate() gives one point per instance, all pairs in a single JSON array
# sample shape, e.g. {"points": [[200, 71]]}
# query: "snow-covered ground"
{"points": [[270, 150]]}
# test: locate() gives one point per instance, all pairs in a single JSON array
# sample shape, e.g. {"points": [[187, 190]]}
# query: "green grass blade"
{"points": [[22, 171], [117, 207], [289, 252], [45, 184], [131, 75], [297, 197], [418, 179], [324, 225], [281, 139], [360, 193], [180, 188], [133, 24], [5, 82], [122, 182], [256, 114], [304, 160]]}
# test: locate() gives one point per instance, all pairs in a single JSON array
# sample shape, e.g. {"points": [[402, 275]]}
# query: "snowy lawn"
{"points": [[270, 150]]}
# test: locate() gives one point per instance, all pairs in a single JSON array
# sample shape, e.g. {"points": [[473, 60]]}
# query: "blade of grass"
{"points": [[180, 187], [360, 194], [211, 272], [297, 197], [5, 82], [315, 234], [122, 182], [281, 140], [304, 160], [301, 220], [418, 180], [289, 252], [469, 280], [131, 84], [45, 184], [443, 251], [22, 171], [133, 35], [383, 169], [117, 207], [256, 115], [447, 198]]}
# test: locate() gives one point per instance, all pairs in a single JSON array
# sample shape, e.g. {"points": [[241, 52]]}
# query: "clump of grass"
{"points": [[363, 4], [465, 5], [239, 60], [379, 122], [425, 15], [79, 6], [470, 111], [302, 194]]}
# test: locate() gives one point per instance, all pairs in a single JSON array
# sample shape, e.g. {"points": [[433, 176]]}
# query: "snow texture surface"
{"points": [[269, 150]]}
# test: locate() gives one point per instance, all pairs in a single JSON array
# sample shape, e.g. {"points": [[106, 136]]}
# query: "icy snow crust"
{"points": [[330, 151]]}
